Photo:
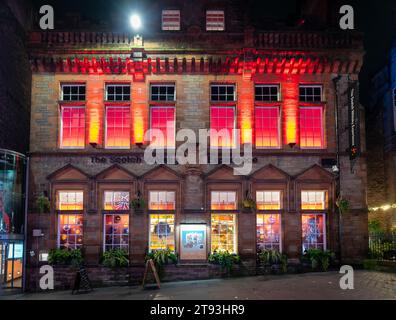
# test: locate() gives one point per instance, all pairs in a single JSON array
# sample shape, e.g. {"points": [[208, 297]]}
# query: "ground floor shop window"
{"points": [[70, 233], [269, 232], [116, 230], [162, 232], [224, 233], [313, 231]]}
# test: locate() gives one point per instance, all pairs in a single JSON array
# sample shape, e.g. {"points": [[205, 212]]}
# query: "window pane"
{"points": [[73, 92], [224, 233], [268, 232], [267, 127], [223, 200], [120, 92], [222, 120], [70, 200], [171, 20], [72, 127], [163, 120], [163, 93], [116, 232], [267, 93], [223, 93], [268, 200], [162, 232], [215, 20], [162, 200], [313, 232], [70, 231], [310, 93], [118, 132], [313, 200], [116, 200], [311, 127]]}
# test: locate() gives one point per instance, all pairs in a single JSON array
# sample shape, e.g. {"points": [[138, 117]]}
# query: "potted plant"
{"points": [[318, 259], [43, 204], [161, 258], [138, 204], [115, 258], [273, 261], [248, 204], [65, 257], [225, 260]]}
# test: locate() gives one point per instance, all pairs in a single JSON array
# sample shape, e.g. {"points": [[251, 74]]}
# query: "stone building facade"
{"points": [[286, 90]]}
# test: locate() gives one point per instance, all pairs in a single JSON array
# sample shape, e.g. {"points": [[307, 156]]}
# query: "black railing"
{"points": [[382, 246]]}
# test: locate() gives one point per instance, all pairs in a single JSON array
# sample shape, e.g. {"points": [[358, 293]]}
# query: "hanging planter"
{"points": [[343, 205], [138, 205], [43, 204]]}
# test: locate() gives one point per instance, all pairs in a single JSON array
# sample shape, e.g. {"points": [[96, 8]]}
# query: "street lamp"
{"points": [[136, 22]]}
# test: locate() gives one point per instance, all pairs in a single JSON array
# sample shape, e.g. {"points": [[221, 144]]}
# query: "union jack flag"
{"points": [[122, 202]]}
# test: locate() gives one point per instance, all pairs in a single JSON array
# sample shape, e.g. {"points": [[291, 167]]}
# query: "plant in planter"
{"points": [[161, 258], [319, 258], [343, 205], [43, 204], [65, 257], [248, 204], [225, 259], [273, 260], [115, 258], [138, 204]]}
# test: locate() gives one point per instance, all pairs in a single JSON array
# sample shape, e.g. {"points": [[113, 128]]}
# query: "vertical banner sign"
{"points": [[354, 121]]}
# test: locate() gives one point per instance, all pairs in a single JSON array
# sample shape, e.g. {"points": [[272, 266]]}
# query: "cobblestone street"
{"points": [[315, 286]]}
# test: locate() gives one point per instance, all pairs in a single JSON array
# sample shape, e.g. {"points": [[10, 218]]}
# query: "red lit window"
{"points": [[72, 127], [70, 232], [222, 120], [215, 20], [171, 20], [311, 127], [267, 127], [118, 127], [268, 232], [116, 231], [163, 119], [313, 231]]}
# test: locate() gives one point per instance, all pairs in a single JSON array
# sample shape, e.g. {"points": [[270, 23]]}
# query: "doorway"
{"points": [[11, 265]]}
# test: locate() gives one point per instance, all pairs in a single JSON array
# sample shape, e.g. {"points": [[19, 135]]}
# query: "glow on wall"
{"points": [[95, 110], [290, 96]]}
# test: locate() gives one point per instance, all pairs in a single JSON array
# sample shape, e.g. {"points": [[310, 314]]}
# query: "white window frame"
{"points": [[61, 127], [324, 228], [215, 26], [173, 26], [75, 192], [159, 85], [272, 193], [280, 227], [278, 96], [234, 145], [313, 86], [226, 194], [174, 125], [106, 141], [113, 192], [115, 85], [66, 213], [113, 246], [174, 227], [235, 236], [279, 128], [159, 193], [218, 85], [323, 192], [323, 139], [78, 85]]}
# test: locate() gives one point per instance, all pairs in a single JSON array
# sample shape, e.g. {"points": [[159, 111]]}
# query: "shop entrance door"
{"points": [[11, 265]]}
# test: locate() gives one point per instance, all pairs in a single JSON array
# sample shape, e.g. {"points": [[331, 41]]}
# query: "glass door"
{"points": [[11, 265]]}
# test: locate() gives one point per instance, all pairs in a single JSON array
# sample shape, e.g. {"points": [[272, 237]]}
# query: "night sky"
{"points": [[374, 18]]}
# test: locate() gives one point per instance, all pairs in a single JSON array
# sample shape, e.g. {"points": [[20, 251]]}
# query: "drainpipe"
{"points": [[338, 179], [25, 225]]}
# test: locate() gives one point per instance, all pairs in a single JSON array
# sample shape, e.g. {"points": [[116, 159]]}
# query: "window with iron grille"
{"points": [[118, 92], [73, 92], [222, 92], [267, 93], [163, 92], [171, 20], [311, 93], [215, 20]]}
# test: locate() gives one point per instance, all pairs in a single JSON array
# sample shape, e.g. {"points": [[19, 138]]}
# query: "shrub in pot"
{"points": [[65, 257], [225, 260], [115, 258]]}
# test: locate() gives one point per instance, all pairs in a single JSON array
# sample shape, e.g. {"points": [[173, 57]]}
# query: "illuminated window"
{"points": [[267, 127], [116, 200], [267, 93], [72, 127], [73, 92], [162, 232], [222, 93], [118, 127], [70, 201], [222, 200], [171, 20], [311, 127], [162, 200], [116, 232], [268, 232], [224, 233], [313, 200], [162, 119], [215, 20], [311, 93], [118, 92], [268, 200], [70, 231], [313, 231], [163, 92], [222, 120]]}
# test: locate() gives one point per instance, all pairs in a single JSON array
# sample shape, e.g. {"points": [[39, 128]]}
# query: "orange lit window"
{"points": [[162, 200], [313, 200], [72, 127], [222, 121], [116, 200], [311, 127], [70, 231], [268, 200], [118, 127], [70, 201], [268, 232], [221, 200], [116, 232], [313, 231], [162, 232], [223, 237], [267, 127], [163, 120], [215, 20]]}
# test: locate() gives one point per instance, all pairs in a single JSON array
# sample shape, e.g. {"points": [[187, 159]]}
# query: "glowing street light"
{"points": [[136, 22]]}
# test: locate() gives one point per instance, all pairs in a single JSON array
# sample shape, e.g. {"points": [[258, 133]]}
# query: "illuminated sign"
{"points": [[193, 242], [354, 121]]}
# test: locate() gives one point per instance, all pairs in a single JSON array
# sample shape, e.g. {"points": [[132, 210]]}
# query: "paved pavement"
{"points": [[312, 286]]}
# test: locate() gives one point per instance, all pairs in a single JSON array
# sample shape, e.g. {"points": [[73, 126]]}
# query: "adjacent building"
{"points": [[292, 92]]}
